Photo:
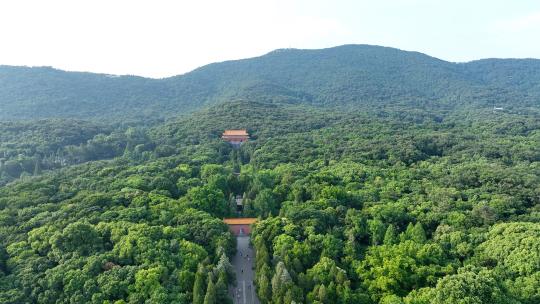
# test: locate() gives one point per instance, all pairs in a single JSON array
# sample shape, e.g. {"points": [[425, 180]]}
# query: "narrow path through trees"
{"points": [[243, 263]]}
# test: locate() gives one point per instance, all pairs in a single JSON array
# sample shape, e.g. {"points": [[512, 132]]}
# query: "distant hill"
{"points": [[359, 76]]}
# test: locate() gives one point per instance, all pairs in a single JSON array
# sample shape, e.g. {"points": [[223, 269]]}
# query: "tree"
{"points": [[390, 237], [210, 297], [468, 286], [3, 258], [78, 237], [514, 249], [148, 284], [322, 295], [391, 299], [224, 268], [398, 269], [198, 286], [222, 295], [263, 284], [281, 283], [418, 233], [37, 166], [414, 233], [264, 203], [332, 247], [208, 199], [377, 230]]}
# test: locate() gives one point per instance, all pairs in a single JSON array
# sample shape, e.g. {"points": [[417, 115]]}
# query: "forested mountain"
{"points": [[358, 76], [378, 177]]}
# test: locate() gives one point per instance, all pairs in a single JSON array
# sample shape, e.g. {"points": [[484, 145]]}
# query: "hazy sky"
{"points": [[158, 38]]}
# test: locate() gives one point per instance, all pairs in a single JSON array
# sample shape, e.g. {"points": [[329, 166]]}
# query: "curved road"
{"points": [[243, 263]]}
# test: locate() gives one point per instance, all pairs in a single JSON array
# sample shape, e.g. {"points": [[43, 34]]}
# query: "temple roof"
{"points": [[240, 221], [242, 132]]}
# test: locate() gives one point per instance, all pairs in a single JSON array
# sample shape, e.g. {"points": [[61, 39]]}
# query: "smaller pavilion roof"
{"points": [[240, 221]]}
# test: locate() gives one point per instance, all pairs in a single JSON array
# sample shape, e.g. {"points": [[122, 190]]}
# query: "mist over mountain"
{"points": [[351, 76]]}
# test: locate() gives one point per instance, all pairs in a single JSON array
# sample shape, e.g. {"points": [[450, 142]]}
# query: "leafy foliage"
{"points": [[428, 197]]}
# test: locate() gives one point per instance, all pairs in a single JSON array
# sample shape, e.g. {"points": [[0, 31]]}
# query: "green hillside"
{"points": [[358, 76], [378, 177]]}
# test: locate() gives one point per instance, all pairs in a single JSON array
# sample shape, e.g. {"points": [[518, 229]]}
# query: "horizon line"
{"points": [[113, 75]]}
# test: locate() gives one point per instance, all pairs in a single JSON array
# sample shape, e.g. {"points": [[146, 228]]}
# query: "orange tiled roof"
{"points": [[240, 221], [236, 132]]}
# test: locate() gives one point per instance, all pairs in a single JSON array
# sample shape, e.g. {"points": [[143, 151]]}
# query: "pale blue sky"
{"points": [[161, 38]]}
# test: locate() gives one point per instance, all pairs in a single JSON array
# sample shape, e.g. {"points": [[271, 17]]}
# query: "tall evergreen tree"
{"points": [[321, 294], [281, 282], [37, 166], [390, 237], [222, 289], [263, 285], [198, 286], [418, 233], [211, 296]]}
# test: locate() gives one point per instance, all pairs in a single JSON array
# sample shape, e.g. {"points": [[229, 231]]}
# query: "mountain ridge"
{"points": [[272, 52], [348, 75]]}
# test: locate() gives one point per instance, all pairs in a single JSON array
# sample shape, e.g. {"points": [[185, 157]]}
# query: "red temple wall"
{"points": [[235, 138], [235, 229]]}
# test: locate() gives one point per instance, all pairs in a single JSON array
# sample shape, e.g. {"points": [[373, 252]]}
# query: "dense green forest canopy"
{"points": [[373, 183]]}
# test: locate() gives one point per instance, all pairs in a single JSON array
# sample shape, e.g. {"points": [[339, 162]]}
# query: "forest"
{"points": [[420, 199]]}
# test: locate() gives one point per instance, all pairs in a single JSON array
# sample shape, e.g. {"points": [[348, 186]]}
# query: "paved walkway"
{"points": [[243, 263]]}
